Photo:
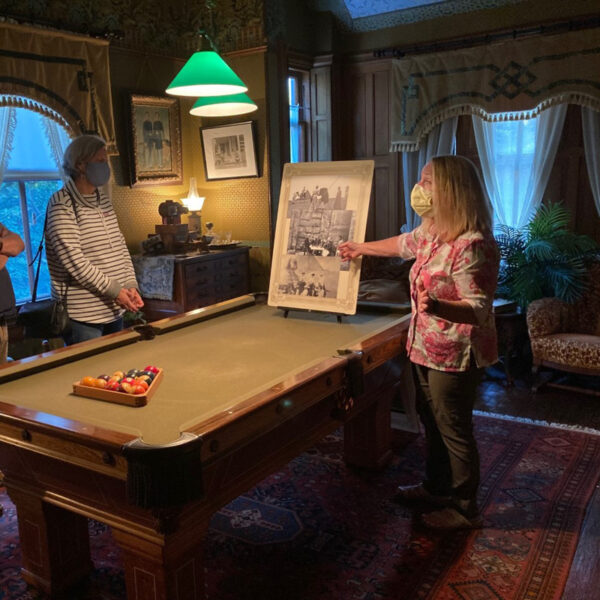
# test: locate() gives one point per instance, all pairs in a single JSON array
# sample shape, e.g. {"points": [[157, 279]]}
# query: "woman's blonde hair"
{"points": [[460, 202]]}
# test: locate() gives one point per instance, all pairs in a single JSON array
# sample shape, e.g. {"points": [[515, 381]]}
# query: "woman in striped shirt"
{"points": [[87, 255]]}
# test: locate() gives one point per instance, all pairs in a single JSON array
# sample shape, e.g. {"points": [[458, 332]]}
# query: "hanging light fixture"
{"points": [[206, 74], [223, 106]]}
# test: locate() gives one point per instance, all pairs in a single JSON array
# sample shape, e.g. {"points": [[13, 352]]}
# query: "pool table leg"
{"points": [[169, 567], [54, 543], [367, 436]]}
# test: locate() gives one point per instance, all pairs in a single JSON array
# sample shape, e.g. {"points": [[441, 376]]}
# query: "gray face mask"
{"points": [[97, 173]]}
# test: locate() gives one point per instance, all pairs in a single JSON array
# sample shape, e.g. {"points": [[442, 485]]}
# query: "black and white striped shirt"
{"points": [[87, 251]]}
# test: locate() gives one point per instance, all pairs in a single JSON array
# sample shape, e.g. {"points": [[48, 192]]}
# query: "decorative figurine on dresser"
{"points": [[180, 271]]}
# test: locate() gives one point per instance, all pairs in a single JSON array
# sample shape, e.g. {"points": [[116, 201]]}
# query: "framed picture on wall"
{"points": [[229, 151], [154, 140], [321, 204]]}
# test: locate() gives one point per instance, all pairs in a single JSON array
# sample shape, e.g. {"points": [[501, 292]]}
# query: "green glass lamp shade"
{"points": [[223, 106], [206, 74]]}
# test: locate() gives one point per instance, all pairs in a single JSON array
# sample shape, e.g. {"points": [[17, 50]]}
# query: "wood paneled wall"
{"points": [[364, 131], [365, 106]]}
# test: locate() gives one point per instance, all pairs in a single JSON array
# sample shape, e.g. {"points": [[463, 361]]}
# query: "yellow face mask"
{"points": [[421, 200]]}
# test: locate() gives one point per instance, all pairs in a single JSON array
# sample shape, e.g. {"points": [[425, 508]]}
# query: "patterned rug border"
{"points": [[590, 430]]}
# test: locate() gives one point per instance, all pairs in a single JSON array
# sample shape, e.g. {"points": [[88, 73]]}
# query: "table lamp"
{"points": [[194, 203]]}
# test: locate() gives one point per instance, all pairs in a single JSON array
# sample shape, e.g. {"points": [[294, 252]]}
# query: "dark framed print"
{"points": [[321, 204], [155, 140], [229, 151]]}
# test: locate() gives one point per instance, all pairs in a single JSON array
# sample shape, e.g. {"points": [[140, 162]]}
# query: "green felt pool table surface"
{"points": [[210, 367]]}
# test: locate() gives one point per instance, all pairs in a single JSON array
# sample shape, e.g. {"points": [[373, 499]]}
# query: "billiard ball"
{"points": [[152, 369], [114, 386], [118, 374], [144, 377], [150, 374], [137, 389], [141, 383], [100, 383], [133, 372], [88, 381], [128, 383]]}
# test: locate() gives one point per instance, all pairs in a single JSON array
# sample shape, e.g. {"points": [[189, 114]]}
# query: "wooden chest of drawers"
{"points": [[203, 279]]}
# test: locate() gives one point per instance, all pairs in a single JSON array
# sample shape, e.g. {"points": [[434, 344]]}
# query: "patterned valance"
{"points": [[67, 73], [518, 78]]}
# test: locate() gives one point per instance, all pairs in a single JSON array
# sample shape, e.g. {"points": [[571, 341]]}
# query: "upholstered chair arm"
{"points": [[544, 317]]}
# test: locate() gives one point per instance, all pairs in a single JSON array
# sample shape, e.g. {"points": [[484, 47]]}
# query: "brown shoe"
{"points": [[417, 493], [449, 519]]}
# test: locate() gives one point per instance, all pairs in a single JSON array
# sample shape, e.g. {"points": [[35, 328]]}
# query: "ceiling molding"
{"points": [[385, 17]]}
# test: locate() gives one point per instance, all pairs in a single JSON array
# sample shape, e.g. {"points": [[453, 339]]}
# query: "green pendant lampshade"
{"points": [[223, 106], [206, 74]]}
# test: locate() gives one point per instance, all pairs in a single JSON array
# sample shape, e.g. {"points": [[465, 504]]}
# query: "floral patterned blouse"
{"points": [[464, 269]]}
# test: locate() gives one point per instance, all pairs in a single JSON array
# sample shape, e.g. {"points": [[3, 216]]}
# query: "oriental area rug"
{"points": [[318, 530]]}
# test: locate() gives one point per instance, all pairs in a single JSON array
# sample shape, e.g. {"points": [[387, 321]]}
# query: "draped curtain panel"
{"points": [[520, 76], [440, 140], [8, 124], [591, 135], [68, 73], [515, 204]]}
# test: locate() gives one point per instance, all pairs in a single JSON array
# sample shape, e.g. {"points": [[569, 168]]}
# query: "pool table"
{"points": [[244, 390]]}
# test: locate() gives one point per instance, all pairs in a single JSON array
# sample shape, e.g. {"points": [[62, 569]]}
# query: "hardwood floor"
{"points": [[568, 408]]}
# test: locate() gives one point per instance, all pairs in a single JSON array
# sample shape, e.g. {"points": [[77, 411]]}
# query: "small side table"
{"points": [[511, 327]]}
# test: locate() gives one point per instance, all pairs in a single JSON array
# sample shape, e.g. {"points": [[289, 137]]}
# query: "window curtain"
{"points": [[8, 123], [441, 140], [514, 79], [590, 120], [58, 142], [515, 205], [67, 73]]}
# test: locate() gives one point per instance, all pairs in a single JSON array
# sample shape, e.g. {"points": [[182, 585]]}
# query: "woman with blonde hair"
{"points": [[452, 336]]}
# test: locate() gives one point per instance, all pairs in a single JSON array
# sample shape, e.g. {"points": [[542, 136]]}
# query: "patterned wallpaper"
{"points": [[168, 27]]}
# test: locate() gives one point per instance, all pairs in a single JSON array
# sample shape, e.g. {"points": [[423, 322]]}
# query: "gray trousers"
{"points": [[445, 404]]}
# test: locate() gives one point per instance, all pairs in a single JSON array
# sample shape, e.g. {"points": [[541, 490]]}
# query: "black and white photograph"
{"points": [[309, 276], [229, 151], [321, 205]]}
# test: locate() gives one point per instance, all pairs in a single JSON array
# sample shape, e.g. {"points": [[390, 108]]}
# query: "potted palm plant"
{"points": [[544, 258]]}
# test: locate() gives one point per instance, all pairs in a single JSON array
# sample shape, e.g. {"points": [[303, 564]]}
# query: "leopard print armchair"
{"points": [[566, 337]]}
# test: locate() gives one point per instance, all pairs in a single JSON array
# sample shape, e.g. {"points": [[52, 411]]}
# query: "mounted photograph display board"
{"points": [[321, 204]]}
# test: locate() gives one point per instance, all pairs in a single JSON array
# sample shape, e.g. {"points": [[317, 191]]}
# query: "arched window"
{"points": [[33, 145]]}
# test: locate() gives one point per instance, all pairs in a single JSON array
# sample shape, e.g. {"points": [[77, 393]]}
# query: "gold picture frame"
{"points": [[321, 204], [154, 140]]}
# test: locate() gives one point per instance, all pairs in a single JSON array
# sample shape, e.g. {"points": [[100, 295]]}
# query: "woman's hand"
{"points": [[425, 303], [136, 298], [125, 301], [349, 250]]}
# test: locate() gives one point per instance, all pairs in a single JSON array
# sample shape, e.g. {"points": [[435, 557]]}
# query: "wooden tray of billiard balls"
{"points": [[118, 397]]}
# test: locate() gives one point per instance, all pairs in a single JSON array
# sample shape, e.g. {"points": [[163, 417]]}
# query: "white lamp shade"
{"points": [[193, 201], [223, 106]]}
